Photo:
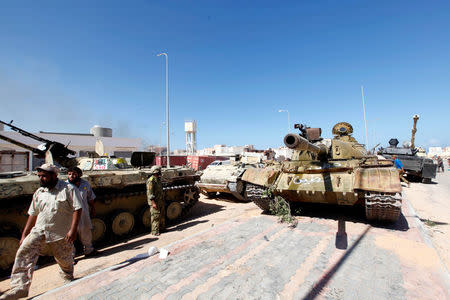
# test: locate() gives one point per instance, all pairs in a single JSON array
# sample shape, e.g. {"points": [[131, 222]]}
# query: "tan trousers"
{"points": [[28, 254], [85, 231]]}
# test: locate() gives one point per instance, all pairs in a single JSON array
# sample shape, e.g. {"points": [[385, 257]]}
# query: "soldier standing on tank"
{"points": [[155, 199], [54, 214], [398, 164], [87, 203]]}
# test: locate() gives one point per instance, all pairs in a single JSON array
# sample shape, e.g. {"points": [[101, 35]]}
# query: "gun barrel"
{"points": [[25, 133], [296, 142]]}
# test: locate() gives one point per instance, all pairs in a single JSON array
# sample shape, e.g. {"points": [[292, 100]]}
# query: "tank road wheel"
{"points": [[383, 207], [190, 196], [8, 249], [145, 218], [173, 210], [98, 229], [122, 223], [9, 243]]}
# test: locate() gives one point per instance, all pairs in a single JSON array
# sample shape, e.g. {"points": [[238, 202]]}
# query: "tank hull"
{"points": [[421, 167]]}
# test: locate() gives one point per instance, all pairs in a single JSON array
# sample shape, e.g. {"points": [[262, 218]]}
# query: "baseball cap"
{"points": [[48, 168]]}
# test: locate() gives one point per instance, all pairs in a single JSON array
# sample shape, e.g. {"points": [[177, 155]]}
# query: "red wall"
{"points": [[201, 162], [174, 160]]}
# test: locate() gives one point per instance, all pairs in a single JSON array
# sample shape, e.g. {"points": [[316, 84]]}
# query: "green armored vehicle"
{"points": [[121, 204], [336, 171], [226, 177]]}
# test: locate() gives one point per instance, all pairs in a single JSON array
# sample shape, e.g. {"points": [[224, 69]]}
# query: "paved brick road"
{"points": [[258, 258]]}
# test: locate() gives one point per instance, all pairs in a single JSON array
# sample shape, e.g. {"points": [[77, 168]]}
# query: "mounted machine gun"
{"points": [[50, 150]]}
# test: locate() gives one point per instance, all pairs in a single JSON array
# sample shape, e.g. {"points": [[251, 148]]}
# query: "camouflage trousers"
{"points": [[28, 254], [158, 220]]}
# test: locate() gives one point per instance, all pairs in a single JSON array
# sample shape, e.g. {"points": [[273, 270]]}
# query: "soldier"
{"points": [[53, 219], [156, 201], [440, 164], [87, 203]]}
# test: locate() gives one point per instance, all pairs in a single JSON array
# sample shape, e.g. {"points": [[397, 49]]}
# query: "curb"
{"points": [[423, 232]]}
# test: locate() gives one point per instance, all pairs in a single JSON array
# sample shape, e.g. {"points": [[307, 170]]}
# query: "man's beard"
{"points": [[74, 181], [49, 184]]}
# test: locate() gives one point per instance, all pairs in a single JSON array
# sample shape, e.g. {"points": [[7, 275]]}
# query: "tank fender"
{"points": [[377, 179], [262, 177]]}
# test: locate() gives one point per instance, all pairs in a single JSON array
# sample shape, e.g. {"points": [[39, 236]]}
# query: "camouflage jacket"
{"points": [[154, 190]]}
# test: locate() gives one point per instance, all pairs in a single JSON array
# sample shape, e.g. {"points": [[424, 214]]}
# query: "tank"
{"points": [[121, 204], [416, 165], [226, 177], [334, 171]]}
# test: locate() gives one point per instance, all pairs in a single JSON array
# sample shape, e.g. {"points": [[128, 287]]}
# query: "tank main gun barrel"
{"points": [[297, 142], [414, 130]]}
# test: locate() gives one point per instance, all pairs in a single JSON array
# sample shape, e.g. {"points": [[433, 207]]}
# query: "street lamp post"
{"points": [[167, 106], [289, 120]]}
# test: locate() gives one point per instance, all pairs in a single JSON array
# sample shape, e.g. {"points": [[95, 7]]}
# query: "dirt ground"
{"points": [[431, 203]]}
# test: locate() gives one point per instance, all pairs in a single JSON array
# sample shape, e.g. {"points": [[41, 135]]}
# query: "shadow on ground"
{"points": [[355, 214], [225, 197], [118, 244], [201, 209]]}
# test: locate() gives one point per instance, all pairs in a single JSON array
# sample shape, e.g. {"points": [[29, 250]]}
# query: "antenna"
{"points": [[365, 122]]}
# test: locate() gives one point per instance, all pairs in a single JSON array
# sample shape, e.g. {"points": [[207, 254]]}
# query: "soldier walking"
{"points": [[155, 199], [53, 219], [87, 204]]}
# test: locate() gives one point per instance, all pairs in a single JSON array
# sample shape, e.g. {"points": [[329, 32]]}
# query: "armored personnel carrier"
{"points": [[121, 203], [226, 178], [336, 171], [416, 166]]}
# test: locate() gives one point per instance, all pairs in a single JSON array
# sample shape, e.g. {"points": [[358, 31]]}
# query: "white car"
{"points": [[219, 163]]}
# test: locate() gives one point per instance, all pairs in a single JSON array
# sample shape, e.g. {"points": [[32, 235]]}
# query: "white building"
{"points": [[439, 151], [223, 150], [78, 142], [283, 153]]}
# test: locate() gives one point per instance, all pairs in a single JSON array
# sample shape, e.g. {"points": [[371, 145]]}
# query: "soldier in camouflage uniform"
{"points": [[54, 214], [155, 199]]}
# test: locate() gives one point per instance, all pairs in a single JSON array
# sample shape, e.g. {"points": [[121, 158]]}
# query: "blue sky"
{"points": [[69, 65]]}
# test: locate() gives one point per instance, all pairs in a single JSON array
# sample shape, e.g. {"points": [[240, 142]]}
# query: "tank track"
{"points": [[383, 207], [258, 195]]}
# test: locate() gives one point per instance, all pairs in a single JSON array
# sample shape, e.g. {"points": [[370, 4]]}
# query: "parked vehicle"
{"points": [[336, 171], [417, 167], [121, 204]]}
